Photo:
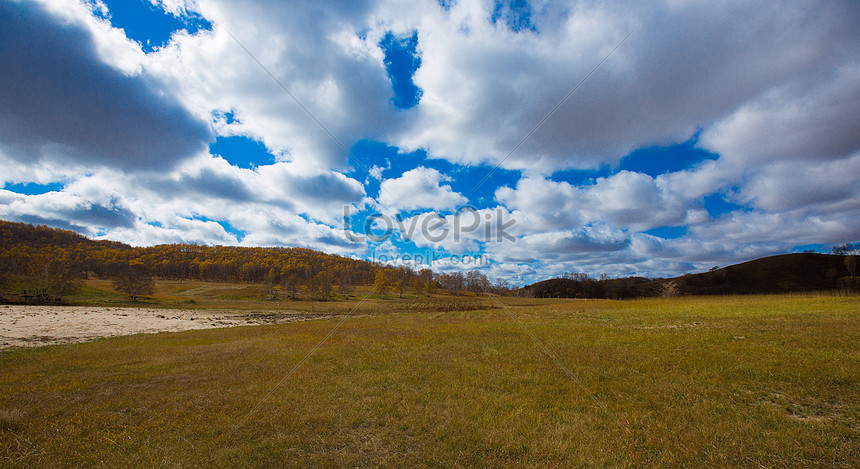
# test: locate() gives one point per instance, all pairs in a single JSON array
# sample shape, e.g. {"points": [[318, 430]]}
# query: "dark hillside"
{"points": [[590, 288], [776, 274]]}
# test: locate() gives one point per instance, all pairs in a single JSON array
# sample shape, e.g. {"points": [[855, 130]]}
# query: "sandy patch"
{"points": [[44, 325]]}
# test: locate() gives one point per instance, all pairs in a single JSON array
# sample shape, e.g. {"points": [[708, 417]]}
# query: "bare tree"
{"points": [[454, 282], [135, 281], [291, 284], [323, 286], [50, 275], [402, 279], [846, 249], [346, 284]]}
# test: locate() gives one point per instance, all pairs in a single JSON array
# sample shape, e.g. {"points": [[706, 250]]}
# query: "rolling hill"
{"points": [[775, 274]]}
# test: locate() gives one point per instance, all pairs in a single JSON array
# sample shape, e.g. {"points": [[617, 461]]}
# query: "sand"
{"points": [[29, 326]]}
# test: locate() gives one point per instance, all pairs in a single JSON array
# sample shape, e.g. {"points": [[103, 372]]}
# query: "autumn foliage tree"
{"points": [[346, 283], [135, 281], [271, 284], [319, 286], [428, 281], [51, 274], [48, 260], [417, 285], [381, 284], [401, 279]]}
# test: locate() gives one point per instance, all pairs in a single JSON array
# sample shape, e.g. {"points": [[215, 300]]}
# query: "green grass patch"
{"points": [[687, 382]]}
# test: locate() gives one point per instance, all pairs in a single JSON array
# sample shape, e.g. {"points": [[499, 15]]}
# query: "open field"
{"points": [[755, 381], [252, 298], [100, 312]]}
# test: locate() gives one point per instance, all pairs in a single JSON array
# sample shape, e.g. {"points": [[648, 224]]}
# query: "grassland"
{"points": [[753, 381], [250, 298]]}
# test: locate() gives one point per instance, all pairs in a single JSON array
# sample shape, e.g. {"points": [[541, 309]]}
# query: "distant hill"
{"points": [[42, 259], [629, 287], [776, 274], [25, 248], [39, 263]]}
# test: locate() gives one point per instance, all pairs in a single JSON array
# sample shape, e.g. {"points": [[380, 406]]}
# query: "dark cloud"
{"points": [[326, 188], [114, 216], [685, 67], [57, 96], [332, 240], [214, 184], [87, 220]]}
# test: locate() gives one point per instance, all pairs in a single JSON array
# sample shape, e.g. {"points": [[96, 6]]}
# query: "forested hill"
{"points": [[784, 273], [24, 248], [42, 261], [47, 259]]}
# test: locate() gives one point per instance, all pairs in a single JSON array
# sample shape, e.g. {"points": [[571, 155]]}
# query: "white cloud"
{"points": [[770, 88], [111, 44], [420, 188], [706, 178], [685, 67], [62, 105], [800, 121], [549, 246], [180, 230], [68, 211], [817, 187], [338, 77], [465, 231], [626, 199]]}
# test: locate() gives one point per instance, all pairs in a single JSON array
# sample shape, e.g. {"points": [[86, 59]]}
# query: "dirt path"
{"points": [[30, 326]]}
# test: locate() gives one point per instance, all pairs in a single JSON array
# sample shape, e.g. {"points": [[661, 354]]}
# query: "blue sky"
{"points": [[394, 131]]}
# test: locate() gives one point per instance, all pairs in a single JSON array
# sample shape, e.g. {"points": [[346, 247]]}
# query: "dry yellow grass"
{"points": [[764, 381]]}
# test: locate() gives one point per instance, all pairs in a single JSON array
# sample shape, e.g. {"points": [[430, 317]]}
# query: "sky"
{"points": [[522, 138]]}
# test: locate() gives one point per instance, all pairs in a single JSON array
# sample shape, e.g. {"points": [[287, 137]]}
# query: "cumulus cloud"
{"points": [[822, 188], [567, 245], [323, 54], [463, 231], [626, 199], [180, 230], [685, 67], [63, 105], [67, 211], [420, 188], [769, 89], [800, 121]]}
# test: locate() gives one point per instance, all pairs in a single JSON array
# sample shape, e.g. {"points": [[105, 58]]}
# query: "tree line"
{"points": [[49, 260], [797, 272]]}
